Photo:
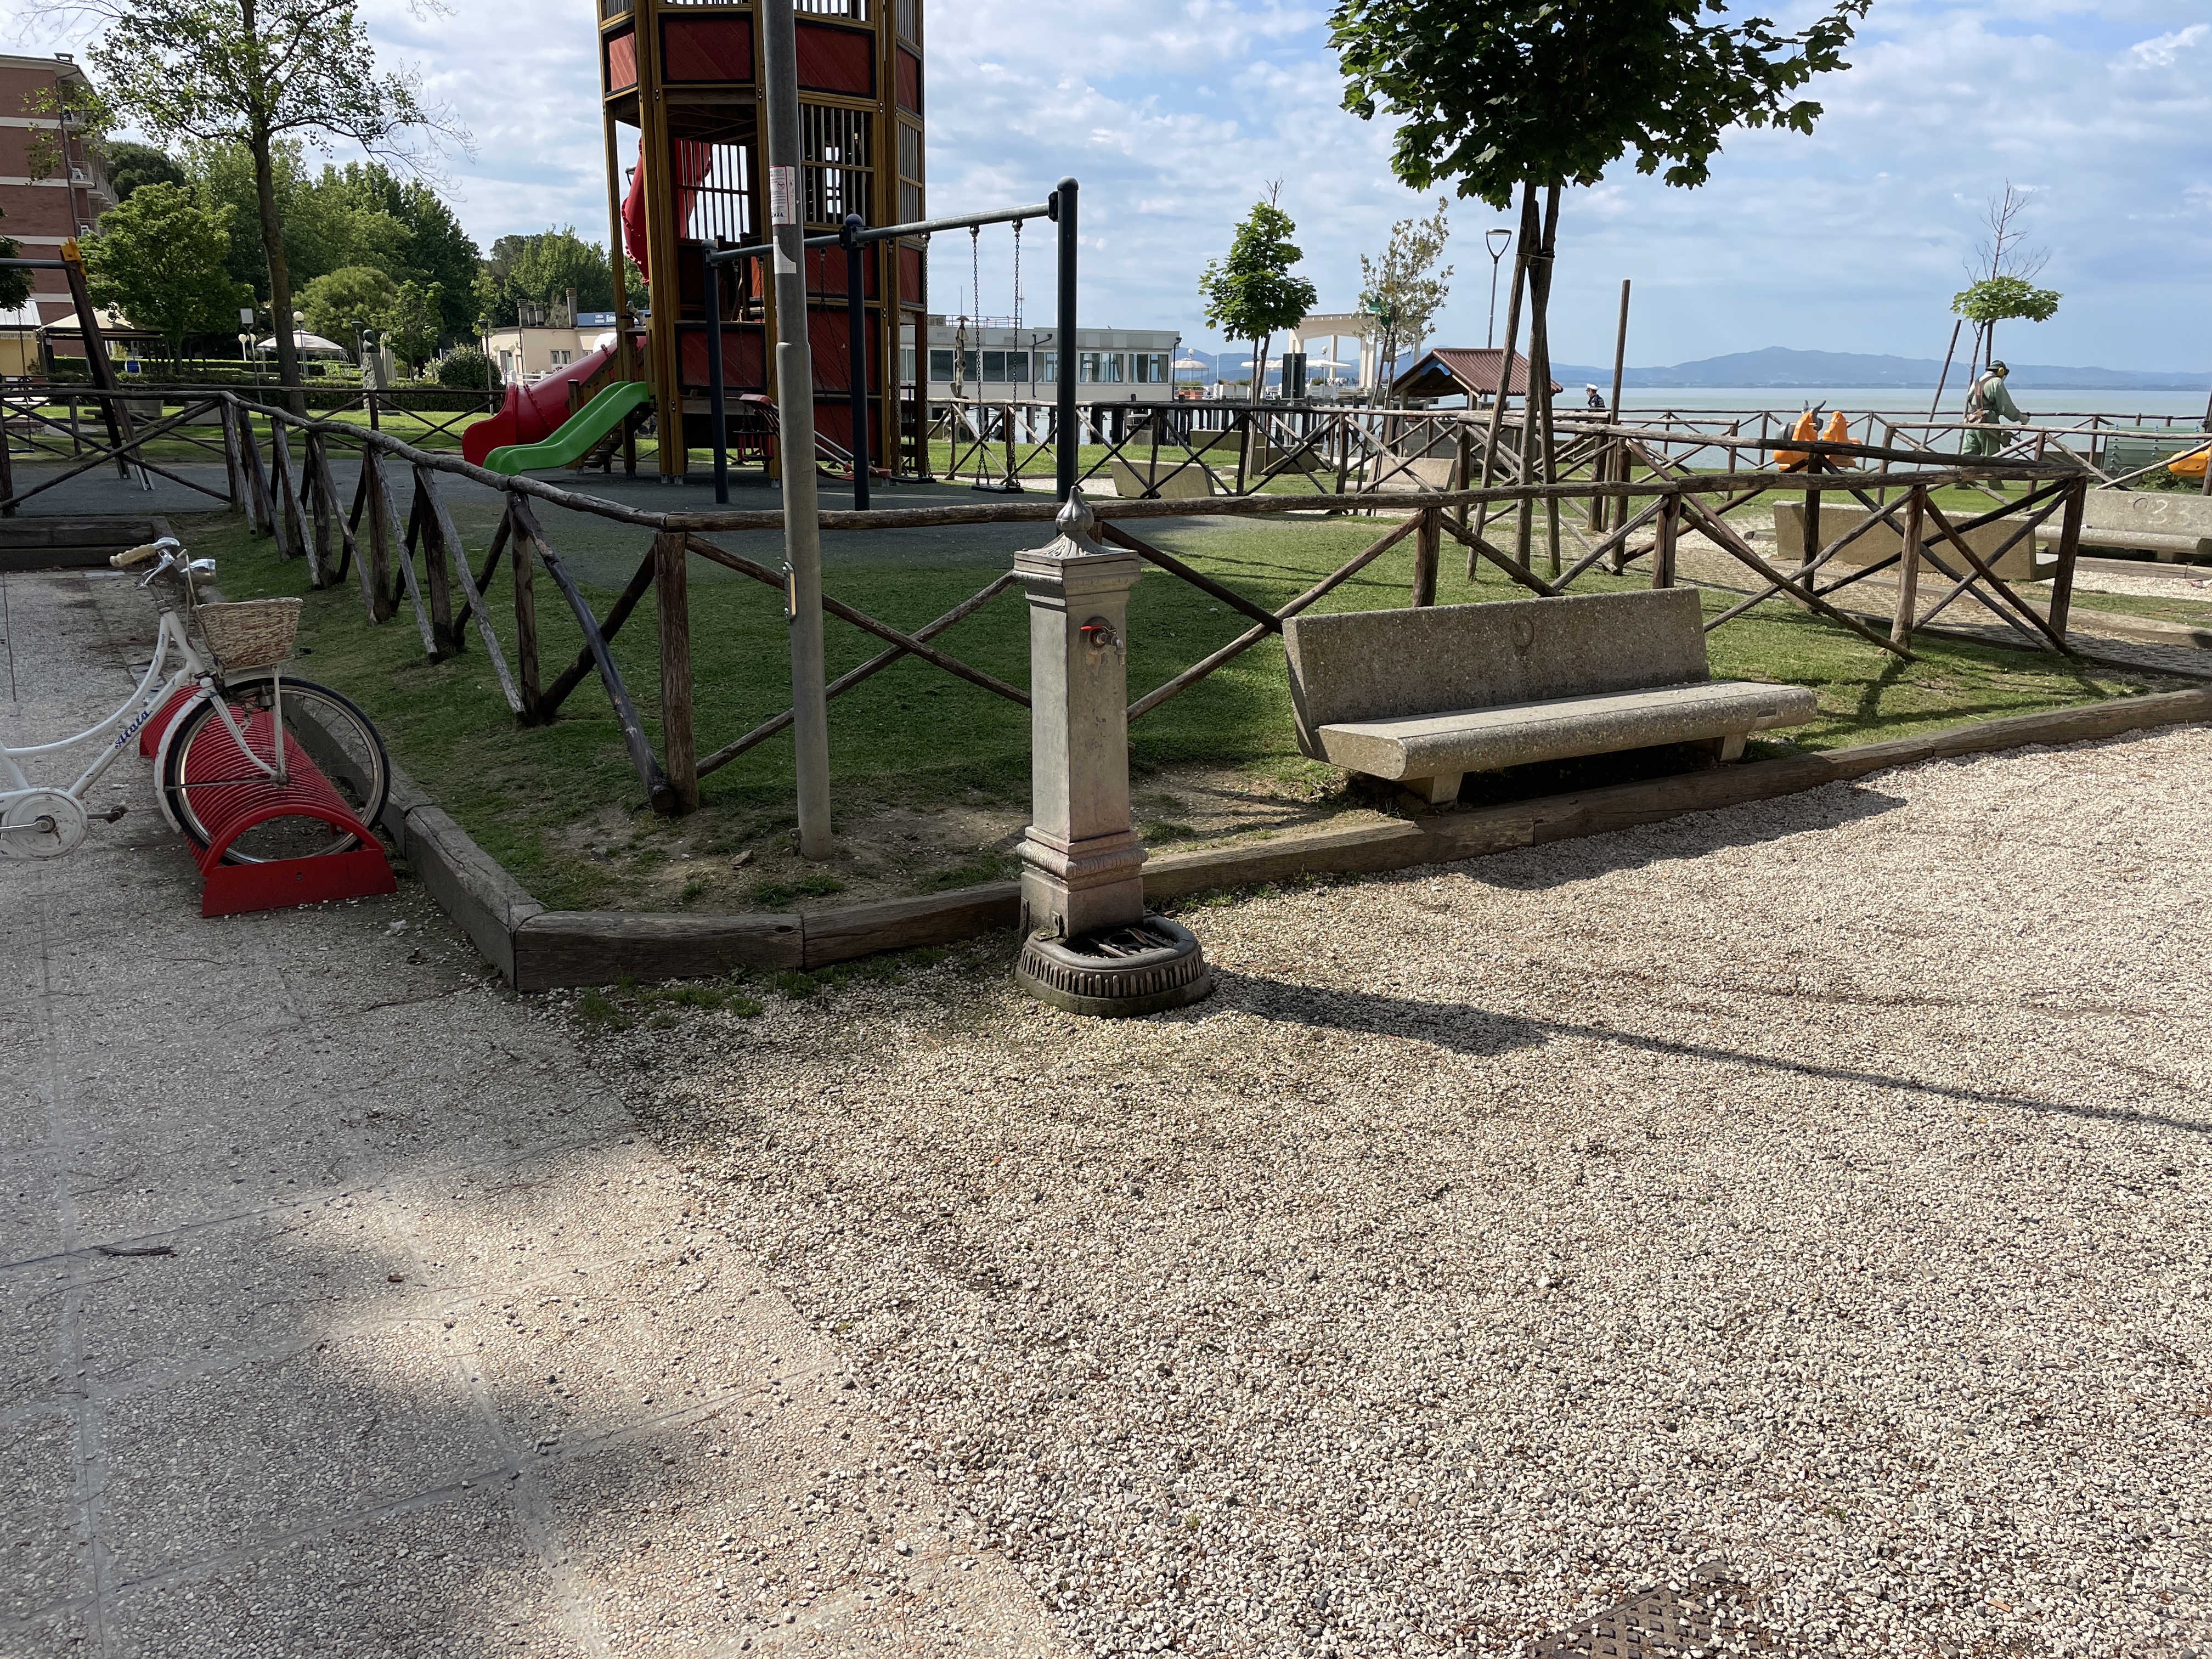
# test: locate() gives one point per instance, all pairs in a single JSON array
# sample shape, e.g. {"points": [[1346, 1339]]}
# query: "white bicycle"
{"points": [[245, 724]]}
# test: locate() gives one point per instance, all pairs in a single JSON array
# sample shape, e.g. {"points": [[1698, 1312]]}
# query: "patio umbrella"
{"points": [[308, 346]]}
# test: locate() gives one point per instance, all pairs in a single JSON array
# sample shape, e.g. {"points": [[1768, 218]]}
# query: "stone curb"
{"points": [[537, 950]]}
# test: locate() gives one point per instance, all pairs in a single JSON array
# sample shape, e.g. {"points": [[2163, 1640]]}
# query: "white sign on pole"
{"points": [[783, 196]]}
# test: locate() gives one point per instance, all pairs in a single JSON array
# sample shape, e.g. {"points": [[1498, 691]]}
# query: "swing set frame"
{"points": [[1059, 208]]}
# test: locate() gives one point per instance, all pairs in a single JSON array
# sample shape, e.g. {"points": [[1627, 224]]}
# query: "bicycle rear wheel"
{"points": [[332, 754]]}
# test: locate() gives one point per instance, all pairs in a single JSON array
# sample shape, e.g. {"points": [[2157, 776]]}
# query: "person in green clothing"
{"points": [[1988, 405]]}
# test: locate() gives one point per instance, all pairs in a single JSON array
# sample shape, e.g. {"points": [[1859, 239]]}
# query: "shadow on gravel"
{"points": [[1468, 1030], [1460, 1026], [1750, 824]]}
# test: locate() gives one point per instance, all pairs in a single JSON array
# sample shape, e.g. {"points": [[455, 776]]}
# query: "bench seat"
{"points": [[1415, 746], [1421, 697]]}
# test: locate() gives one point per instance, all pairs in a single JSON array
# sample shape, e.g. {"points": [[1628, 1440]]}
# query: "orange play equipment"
{"points": [[1806, 430], [680, 90]]}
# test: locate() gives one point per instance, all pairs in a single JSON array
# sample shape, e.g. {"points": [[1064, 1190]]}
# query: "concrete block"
{"points": [[1177, 479], [2022, 563]]}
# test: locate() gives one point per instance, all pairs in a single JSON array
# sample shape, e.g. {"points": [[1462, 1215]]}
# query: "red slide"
{"points": [[531, 414]]}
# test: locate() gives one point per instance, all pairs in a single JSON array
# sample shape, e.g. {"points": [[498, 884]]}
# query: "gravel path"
{"points": [[1821, 1186]]}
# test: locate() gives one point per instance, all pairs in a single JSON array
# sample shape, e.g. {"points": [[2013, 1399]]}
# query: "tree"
{"points": [[540, 270], [464, 368], [348, 299], [130, 166], [1251, 294], [412, 321], [2003, 272], [1504, 94], [253, 73], [1399, 290], [15, 285], [158, 259], [434, 251]]}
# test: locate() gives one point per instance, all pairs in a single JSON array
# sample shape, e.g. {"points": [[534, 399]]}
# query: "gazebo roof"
{"points": [[1450, 371]]}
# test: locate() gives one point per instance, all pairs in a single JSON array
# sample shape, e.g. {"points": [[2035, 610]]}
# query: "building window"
{"points": [[1088, 367], [1047, 366], [1018, 365], [994, 367], [1152, 367], [905, 365], [940, 363], [560, 359]]}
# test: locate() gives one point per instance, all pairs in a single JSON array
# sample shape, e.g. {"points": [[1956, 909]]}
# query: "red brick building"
{"points": [[43, 213]]}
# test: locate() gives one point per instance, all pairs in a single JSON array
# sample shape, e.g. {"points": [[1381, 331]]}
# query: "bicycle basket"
{"points": [[250, 633]]}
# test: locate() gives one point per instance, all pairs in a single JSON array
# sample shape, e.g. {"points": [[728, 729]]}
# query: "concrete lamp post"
{"points": [[1089, 946]]}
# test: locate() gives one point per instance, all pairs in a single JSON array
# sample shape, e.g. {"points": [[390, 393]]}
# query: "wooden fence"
{"points": [[396, 543]]}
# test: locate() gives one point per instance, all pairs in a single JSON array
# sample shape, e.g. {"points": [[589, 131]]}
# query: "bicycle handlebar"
{"points": [[138, 555]]}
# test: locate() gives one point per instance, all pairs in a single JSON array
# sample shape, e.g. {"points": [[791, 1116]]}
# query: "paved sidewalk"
{"points": [[343, 1313]]}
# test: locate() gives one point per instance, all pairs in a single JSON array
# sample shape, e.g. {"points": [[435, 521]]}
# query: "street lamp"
{"points": [[1497, 239]]}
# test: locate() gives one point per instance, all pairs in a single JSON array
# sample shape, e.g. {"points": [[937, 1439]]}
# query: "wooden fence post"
{"points": [[436, 557], [2069, 546], [521, 560], [1663, 550], [672, 598], [376, 568], [1426, 542], [231, 470], [1908, 571]]}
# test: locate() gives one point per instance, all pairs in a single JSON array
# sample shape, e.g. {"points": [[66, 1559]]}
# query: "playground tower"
{"points": [[684, 77]]}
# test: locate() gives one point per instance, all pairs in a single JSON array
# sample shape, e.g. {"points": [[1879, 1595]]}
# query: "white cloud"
{"points": [[2163, 51], [1174, 113]]}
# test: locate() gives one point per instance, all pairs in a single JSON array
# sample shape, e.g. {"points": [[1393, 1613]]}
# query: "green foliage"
{"points": [[1401, 290], [15, 285], [2002, 299], [541, 268], [1494, 93], [410, 323], [1251, 294], [359, 214], [131, 165], [464, 368], [251, 74], [158, 259], [347, 299]]}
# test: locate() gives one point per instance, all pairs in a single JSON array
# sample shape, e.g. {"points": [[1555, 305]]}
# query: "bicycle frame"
{"points": [[127, 721]]}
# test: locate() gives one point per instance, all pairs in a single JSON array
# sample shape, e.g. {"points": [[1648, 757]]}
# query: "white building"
{"points": [[992, 360]]}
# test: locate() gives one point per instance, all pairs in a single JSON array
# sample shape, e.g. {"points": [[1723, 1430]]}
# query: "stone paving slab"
{"points": [[436, 1362]]}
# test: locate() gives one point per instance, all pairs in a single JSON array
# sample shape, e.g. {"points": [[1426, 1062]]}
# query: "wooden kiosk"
{"points": [[683, 75]]}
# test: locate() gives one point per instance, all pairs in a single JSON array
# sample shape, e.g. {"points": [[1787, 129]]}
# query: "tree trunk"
{"points": [[1256, 450], [280, 272]]}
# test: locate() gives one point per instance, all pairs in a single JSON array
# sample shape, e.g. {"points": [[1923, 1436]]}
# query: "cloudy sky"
{"points": [[1175, 114]]}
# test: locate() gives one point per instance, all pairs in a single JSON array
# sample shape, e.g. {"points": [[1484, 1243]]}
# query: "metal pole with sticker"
{"points": [[794, 403]]}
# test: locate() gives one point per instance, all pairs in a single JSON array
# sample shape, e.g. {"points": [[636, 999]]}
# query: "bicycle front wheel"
{"points": [[328, 750]]}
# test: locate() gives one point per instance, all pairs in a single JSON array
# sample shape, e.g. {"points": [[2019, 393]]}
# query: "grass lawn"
{"points": [[560, 806]]}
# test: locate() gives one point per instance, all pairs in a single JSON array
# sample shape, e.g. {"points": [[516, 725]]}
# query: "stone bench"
{"points": [[1421, 697], [2167, 522]]}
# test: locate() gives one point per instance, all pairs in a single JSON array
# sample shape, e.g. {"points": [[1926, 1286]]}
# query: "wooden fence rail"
{"points": [[1634, 487]]}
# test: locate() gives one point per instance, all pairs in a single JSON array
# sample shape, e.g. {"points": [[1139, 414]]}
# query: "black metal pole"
{"points": [[718, 417], [856, 336], [1065, 457]]}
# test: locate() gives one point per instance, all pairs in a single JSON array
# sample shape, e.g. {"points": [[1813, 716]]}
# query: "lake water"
{"points": [[2189, 405]]}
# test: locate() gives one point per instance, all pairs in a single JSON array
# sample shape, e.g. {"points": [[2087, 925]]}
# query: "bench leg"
{"points": [[1727, 748], [1441, 790]]}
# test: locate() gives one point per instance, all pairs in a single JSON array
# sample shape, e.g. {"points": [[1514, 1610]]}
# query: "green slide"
{"points": [[577, 434]]}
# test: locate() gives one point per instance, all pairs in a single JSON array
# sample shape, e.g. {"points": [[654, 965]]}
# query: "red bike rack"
{"points": [[229, 810]]}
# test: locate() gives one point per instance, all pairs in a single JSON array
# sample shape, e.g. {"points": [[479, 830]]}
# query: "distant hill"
{"points": [[1779, 366]]}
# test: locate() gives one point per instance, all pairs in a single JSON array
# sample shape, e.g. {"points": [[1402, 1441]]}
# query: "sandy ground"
{"points": [[344, 1312], [1819, 1188]]}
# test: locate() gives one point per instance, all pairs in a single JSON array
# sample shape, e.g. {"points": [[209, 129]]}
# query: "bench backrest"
{"points": [[2167, 511], [1382, 664]]}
